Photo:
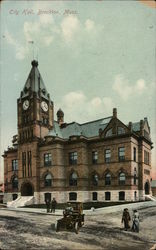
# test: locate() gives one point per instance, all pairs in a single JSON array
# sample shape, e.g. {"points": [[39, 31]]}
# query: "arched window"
{"points": [[15, 182], [73, 179], [109, 133], [108, 179], [48, 180], [95, 180], [122, 178]]}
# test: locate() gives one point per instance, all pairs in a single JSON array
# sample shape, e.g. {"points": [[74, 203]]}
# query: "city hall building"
{"points": [[101, 160]]}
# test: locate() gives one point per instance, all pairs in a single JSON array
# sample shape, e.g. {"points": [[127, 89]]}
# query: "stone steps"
{"points": [[21, 202]]}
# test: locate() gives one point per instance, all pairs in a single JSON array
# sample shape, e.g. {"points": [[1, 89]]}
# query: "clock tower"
{"points": [[35, 108], [35, 119]]}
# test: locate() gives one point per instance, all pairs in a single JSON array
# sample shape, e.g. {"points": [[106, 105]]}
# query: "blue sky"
{"points": [[100, 56]]}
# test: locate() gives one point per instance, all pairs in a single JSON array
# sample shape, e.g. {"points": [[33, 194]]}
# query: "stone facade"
{"points": [[153, 186], [102, 160]]}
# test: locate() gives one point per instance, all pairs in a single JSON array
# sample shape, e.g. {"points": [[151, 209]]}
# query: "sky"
{"points": [[93, 56]]}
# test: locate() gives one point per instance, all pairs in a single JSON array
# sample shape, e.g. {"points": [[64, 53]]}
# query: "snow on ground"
{"points": [[22, 230]]}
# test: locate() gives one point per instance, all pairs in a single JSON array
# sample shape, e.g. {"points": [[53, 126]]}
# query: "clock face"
{"points": [[44, 106], [25, 104]]}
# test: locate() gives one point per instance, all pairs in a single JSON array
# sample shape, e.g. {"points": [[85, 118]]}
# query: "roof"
{"points": [[153, 183], [89, 129], [35, 83]]}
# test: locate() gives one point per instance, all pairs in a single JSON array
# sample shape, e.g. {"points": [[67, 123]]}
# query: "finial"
{"points": [[34, 63]]}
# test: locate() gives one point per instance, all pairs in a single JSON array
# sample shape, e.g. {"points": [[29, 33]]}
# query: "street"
{"points": [[23, 230]]}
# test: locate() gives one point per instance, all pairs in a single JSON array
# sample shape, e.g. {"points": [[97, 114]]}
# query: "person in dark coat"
{"points": [[53, 205], [48, 205], [126, 218]]}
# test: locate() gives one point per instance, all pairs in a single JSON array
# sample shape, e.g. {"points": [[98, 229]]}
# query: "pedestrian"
{"points": [[48, 205], [53, 205], [126, 218], [135, 219]]}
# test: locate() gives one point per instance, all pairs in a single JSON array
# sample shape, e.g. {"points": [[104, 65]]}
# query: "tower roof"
{"points": [[34, 83]]}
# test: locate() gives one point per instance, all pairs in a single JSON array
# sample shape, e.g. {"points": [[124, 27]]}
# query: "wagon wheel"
{"points": [[76, 227], [56, 226]]}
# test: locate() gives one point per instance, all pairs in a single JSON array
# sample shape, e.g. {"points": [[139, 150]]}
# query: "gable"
{"points": [[146, 127], [114, 127]]}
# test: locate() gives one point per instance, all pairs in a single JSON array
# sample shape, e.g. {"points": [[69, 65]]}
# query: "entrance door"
{"points": [[14, 196], [27, 189], [47, 196], [147, 188]]}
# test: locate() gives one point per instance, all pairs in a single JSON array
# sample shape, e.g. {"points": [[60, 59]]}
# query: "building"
{"points": [[153, 186], [1, 192], [101, 160]]}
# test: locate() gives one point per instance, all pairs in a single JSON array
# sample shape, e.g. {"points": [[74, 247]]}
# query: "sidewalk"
{"points": [[104, 210]]}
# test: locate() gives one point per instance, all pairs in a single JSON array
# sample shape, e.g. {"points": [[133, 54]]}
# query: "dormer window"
{"points": [[121, 130], [109, 133], [43, 91], [25, 90]]}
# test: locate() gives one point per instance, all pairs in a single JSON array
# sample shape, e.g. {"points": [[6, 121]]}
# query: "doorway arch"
{"points": [[147, 188], [27, 189]]}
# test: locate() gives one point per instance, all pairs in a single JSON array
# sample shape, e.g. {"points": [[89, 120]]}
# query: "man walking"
{"points": [[126, 219], [53, 205], [48, 205]]}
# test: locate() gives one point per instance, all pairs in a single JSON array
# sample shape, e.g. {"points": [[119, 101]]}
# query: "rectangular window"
{"points": [[121, 154], [146, 171], [24, 164], [94, 157], [134, 154], [107, 155], [47, 159], [29, 163], [121, 196], [107, 196], [14, 165], [73, 158], [94, 196], [146, 157], [135, 179], [72, 196]]}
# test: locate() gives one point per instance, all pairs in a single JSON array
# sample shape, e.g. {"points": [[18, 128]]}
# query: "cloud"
{"points": [[125, 90], [20, 51], [46, 19], [140, 85], [48, 40], [76, 105], [41, 31], [70, 25], [44, 31], [89, 25]]}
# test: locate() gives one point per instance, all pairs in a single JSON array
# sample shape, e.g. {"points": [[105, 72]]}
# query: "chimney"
{"points": [[130, 126], [60, 117], [114, 113], [141, 127]]}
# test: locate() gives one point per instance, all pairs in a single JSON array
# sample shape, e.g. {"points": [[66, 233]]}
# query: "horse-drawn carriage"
{"points": [[73, 218]]}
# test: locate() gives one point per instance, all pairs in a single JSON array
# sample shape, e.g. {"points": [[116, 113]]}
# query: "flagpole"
{"points": [[32, 42]]}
